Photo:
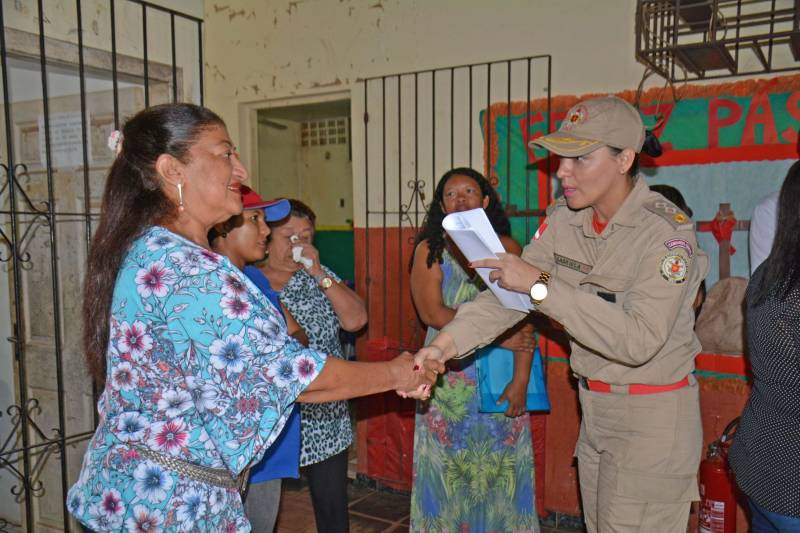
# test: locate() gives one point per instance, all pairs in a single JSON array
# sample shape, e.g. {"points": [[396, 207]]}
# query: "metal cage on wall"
{"points": [[685, 40], [413, 128], [71, 72]]}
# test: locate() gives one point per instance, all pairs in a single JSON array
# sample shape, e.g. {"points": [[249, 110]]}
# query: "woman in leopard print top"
{"points": [[321, 304]]}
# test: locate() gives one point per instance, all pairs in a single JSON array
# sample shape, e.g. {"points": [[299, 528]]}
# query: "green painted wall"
{"points": [[337, 251]]}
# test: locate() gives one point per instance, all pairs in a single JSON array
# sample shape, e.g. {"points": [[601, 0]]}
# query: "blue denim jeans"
{"points": [[764, 521]]}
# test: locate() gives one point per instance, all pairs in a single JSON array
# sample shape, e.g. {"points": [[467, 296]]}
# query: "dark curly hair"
{"points": [[432, 225]]}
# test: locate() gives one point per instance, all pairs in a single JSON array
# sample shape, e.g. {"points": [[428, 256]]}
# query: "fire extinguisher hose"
{"points": [[728, 432]]}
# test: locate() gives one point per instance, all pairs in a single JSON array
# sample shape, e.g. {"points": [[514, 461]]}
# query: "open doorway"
{"points": [[304, 153]]}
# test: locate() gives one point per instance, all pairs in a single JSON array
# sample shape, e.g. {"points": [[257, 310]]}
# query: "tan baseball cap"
{"points": [[604, 121]]}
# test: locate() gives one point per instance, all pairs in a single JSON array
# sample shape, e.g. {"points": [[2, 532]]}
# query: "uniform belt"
{"points": [[218, 477], [634, 388]]}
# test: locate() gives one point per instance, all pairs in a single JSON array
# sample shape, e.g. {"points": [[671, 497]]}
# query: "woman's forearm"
{"points": [[522, 367], [349, 308], [437, 318], [340, 380]]}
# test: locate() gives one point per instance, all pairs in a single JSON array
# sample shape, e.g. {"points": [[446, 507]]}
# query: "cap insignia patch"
{"points": [[575, 117]]}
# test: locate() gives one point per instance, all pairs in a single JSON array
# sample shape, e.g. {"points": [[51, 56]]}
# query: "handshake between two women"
{"points": [[349, 379], [427, 360]]}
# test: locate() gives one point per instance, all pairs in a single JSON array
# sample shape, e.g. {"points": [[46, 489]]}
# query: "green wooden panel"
{"points": [[337, 251]]}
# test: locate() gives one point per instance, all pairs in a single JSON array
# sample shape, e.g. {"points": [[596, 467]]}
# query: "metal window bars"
{"points": [[411, 127], [66, 84]]}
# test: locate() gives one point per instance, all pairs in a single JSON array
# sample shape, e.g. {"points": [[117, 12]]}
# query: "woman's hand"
{"points": [[511, 272], [312, 253], [428, 353], [412, 380], [516, 393], [441, 348]]}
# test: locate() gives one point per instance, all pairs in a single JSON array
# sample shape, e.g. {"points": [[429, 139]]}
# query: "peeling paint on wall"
{"points": [[242, 13], [334, 83], [293, 6], [215, 72]]}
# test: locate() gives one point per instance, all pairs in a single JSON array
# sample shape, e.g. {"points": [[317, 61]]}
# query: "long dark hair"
{"points": [[432, 225], [132, 201], [782, 266]]}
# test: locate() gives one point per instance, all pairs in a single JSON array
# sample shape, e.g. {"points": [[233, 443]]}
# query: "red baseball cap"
{"points": [[273, 209]]}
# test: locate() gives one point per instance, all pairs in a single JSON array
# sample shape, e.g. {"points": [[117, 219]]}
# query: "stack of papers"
{"points": [[473, 234]]}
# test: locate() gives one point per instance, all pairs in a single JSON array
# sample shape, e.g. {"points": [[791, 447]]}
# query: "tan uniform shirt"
{"points": [[625, 297]]}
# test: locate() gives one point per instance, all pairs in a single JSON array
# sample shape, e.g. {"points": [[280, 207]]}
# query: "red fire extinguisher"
{"points": [[717, 488]]}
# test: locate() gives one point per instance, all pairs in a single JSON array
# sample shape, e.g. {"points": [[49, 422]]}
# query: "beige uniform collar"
{"points": [[629, 214]]}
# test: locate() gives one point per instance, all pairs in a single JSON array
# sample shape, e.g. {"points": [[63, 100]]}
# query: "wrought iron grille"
{"points": [[70, 72], [415, 126], [703, 39]]}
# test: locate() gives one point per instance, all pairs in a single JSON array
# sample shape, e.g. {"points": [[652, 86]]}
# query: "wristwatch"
{"points": [[324, 281], [539, 288]]}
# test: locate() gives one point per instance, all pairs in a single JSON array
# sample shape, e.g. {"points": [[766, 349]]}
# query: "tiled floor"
{"points": [[370, 510]]}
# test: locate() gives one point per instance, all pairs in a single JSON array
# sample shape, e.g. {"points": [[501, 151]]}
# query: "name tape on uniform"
{"points": [[572, 264], [680, 243]]}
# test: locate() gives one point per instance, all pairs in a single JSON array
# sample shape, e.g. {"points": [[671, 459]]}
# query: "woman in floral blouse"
{"points": [[199, 372]]}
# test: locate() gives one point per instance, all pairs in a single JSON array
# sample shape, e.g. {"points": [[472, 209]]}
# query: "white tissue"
{"points": [[297, 255]]}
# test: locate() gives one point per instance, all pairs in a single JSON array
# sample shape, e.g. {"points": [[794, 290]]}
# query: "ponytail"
{"points": [[651, 146]]}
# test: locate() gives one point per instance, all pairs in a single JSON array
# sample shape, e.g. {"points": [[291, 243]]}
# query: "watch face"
{"points": [[326, 283], [538, 291]]}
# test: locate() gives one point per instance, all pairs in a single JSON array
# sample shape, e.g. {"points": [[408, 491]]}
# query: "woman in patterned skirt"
{"points": [[473, 471]]}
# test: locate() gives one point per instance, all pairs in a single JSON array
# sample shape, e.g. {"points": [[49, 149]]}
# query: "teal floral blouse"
{"points": [[200, 368]]}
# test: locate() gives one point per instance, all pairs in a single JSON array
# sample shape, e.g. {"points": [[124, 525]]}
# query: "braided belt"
{"points": [[218, 477]]}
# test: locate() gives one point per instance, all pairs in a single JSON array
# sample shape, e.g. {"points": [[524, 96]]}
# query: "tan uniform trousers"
{"points": [[638, 457]]}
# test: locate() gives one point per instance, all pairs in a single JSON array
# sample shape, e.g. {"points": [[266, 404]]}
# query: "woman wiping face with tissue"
{"points": [[297, 253], [321, 304]]}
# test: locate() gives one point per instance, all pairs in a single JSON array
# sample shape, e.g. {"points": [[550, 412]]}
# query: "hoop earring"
{"points": [[180, 197]]}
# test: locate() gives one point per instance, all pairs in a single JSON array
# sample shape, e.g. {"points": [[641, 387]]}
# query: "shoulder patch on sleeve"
{"points": [[669, 212], [674, 268], [540, 231]]}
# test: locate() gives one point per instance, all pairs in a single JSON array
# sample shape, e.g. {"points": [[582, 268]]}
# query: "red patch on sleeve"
{"points": [[540, 231]]}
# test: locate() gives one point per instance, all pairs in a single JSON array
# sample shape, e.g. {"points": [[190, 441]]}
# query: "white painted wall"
{"points": [[261, 52], [257, 51]]}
